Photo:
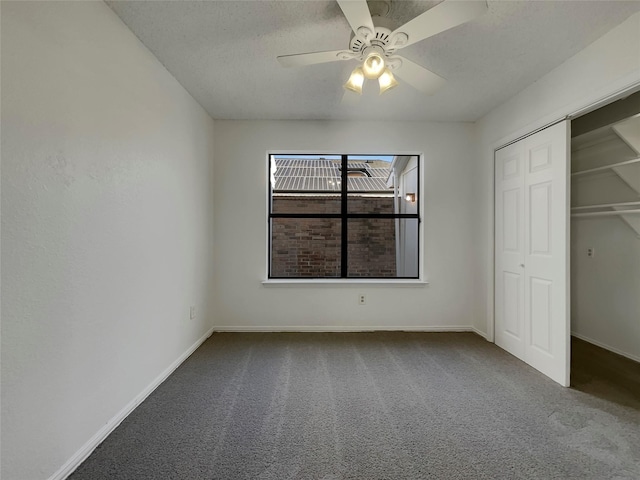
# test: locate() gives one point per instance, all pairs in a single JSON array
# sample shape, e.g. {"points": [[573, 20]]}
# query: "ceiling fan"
{"points": [[374, 42]]}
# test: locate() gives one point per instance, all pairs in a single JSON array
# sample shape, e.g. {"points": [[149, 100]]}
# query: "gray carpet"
{"points": [[366, 406]]}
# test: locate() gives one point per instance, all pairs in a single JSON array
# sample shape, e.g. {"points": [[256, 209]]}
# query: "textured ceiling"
{"points": [[224, 53]]}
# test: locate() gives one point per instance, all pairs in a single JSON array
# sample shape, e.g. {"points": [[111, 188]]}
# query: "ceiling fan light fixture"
{"points": [[387, 81], [375, 42], [373, 66], [356, 80]]}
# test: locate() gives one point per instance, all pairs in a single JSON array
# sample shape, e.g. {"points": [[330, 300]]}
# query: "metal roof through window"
{"points": [[323, 175]]}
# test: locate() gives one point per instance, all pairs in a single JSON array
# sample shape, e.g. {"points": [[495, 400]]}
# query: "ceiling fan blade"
{"points": [[358, 15], [445, 15], [302, 59], [418, 77]]}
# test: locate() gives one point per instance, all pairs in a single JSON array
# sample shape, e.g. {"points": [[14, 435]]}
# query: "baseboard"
{"points": [[480, 333], [338, 328], [86, 450], [606, 347]]}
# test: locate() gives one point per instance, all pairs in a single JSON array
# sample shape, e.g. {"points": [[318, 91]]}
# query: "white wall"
{"points": [[241, 228], [608, 65], [106, 227]]}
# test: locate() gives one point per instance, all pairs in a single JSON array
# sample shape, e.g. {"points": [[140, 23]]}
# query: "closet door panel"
{"points": [[541, 316], [540, 219]]}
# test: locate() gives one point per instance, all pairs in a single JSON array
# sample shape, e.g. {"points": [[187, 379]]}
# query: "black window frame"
{"points": [[344, 215]]}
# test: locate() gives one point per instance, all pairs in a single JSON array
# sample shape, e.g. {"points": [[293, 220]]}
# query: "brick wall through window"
{"points": [[310, 247]]}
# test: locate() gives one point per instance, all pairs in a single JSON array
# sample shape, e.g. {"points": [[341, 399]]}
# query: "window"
{"points": [[344, 216]]}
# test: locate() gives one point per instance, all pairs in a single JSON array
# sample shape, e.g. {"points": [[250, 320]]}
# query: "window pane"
{"points": [[305, 184], [305, 247], [386, 248], [368, 187], [382, 186]]}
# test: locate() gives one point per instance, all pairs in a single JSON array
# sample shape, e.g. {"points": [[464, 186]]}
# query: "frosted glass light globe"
{"points": [[386, 81], [373, 66], [355, 81]]}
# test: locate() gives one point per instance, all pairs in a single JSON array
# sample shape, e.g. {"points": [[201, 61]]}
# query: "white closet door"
{"points": [[531, 251]]}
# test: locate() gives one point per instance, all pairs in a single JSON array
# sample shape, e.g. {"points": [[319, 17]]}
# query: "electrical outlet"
{"points": [[192, 312], [362, 299], [591, 252]]}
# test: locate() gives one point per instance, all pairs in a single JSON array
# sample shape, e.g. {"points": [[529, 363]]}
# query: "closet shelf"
{"points": [[628, 171], [605, 205], [606, 167], [606, 213]]}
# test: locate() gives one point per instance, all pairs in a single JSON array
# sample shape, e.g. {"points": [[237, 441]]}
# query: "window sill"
{"points": [[343, 282]]}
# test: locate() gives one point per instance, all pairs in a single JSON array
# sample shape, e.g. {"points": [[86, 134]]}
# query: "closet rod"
{"points": [[606, 167], [605, 214], [606, 205]]}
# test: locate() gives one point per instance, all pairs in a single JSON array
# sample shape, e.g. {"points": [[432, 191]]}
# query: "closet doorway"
{"points": [[605, 250]]}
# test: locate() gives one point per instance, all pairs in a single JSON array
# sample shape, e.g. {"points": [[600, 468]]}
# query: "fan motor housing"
{"points": [[381, 37]]}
